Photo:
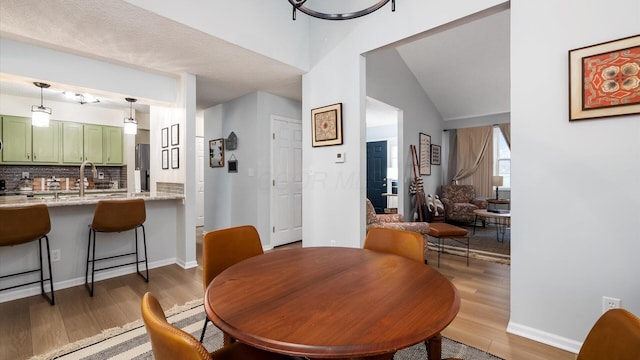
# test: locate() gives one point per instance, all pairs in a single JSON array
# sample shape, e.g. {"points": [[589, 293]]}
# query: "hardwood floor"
{"points": [[31, 326]]}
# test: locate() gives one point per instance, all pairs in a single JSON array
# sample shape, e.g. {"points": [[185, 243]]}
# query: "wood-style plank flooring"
{"points": [[31, 326]]}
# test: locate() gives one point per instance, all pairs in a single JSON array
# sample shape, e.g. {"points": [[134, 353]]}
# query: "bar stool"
{"points": [[116, 216], [23, 224]]}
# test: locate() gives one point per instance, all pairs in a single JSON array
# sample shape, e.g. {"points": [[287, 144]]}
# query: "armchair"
{"points": [[460, 201], [393, 221]]}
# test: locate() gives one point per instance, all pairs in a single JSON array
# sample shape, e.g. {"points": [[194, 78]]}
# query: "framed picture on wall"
{"points": [[216, 153], [175, 134], [425, 154], [326, 125], [165, 159], [175, 158], [603, 79], [435, 154], [165, 137]]}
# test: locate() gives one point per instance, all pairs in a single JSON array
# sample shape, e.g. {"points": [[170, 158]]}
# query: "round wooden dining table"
{"points": [[332, 302]]}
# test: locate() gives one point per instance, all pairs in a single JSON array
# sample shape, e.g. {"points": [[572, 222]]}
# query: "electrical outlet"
{"points": [[609, 303], [55, 255], [25, 174]]}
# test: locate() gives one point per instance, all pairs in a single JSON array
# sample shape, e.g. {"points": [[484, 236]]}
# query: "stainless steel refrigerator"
{"points": [[142, 164]]}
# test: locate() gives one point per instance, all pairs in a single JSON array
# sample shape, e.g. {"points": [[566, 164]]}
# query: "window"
{"points": [[501, 158]]}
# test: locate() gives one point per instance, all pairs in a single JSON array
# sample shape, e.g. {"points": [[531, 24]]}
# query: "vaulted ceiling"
{"points": [[464, 70]]}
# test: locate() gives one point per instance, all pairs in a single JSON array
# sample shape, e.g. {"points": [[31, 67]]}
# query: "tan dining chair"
{"points": [[615, 336], [23, 224], [408, 244], [169, 342], [117, 216], [223, 248]]}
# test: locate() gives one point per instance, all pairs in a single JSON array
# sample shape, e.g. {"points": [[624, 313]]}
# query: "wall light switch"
{"points": [[340, 157]]}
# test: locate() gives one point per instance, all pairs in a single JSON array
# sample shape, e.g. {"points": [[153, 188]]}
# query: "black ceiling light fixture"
{"points": [[300, 5]]}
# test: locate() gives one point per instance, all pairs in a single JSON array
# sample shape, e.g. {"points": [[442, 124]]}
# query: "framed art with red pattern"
{"points": [[604, 79]]}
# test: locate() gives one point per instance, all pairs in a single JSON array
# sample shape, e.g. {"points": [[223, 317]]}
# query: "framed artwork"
{"points": [[326, 125], [165, 137], [216, 153], [175, 158], [435, 154], [165, 159], [604, 79], [175, 134], [425, 154], [233, 164]]}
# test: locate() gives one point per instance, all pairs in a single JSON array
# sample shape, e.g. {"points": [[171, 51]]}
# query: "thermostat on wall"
{"points": [[340, 157]]}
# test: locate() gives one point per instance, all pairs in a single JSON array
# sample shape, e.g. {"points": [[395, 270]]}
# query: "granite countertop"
{"points": [[72, 199]]}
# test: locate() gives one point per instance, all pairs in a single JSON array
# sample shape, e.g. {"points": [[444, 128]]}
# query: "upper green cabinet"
{"points": [[72, 143], [23, 143], [93, 146], [112, 145]]}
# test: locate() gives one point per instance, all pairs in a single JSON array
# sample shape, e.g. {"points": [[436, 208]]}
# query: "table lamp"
{"points": [[497, 182]]}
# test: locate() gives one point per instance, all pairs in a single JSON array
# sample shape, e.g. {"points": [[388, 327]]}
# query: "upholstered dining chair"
{"points": [[408, 244], [223, 248], [170, 342], [615, 336]]}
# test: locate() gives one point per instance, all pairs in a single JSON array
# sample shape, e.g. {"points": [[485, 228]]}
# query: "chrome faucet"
{"points": [[94, 174]]}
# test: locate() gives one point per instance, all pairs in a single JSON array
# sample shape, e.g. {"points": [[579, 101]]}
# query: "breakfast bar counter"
{"points": [[70, 216]]}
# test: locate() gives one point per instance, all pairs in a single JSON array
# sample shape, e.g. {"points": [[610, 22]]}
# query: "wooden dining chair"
{"points": [[408, 244], [615, 336], [223, 248], [170, 342]]}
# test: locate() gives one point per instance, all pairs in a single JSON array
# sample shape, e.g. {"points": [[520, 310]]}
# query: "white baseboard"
{"points": [[544, 337], [27, 291], [187, 265]]}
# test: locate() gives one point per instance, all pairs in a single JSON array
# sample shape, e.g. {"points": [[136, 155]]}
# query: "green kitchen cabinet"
{"points": [[93, 143], [45, 143], [16, 139], [26, 144], [112, 145], [72, 143]]}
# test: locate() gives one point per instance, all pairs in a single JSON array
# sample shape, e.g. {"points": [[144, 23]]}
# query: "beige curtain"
{"points": [[475, 159], [506, 132]]}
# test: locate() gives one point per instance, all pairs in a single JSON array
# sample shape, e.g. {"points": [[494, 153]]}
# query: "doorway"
{"points": [[286, 175]]}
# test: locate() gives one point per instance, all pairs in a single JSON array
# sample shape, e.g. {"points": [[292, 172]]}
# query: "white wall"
{"points": [[576, 185], [241, 198], [390, 81]]}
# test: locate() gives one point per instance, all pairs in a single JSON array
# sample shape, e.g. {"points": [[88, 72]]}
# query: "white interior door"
{"points": [[199, 181], [286, 175]]}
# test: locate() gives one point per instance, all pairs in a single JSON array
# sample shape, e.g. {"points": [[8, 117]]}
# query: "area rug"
{"points": [[483, 244], [131, 341]]}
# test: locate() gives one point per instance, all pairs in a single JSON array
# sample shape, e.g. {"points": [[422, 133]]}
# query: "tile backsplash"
{"points": [[12, 173]]}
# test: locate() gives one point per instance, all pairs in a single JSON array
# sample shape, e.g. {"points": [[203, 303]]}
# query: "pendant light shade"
{"points": [[40, 115], [130, 124]]}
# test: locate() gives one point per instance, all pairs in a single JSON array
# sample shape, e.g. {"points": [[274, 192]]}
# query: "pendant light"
{"points": [[40, 115], [300, 5], [130, 124]]}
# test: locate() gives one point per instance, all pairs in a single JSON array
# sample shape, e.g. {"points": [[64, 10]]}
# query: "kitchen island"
{"points": [[70, 216]]}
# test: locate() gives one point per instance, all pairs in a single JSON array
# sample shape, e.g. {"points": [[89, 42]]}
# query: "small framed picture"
{"points": [[165, 159], [175, 158], [425, 154], [165, 137], [435, 154], [326, 125], [175, 134], [216, 153], [604, 79]]}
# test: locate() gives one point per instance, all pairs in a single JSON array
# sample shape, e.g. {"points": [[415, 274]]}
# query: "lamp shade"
{"points": [[40, 116], [497, 181]]}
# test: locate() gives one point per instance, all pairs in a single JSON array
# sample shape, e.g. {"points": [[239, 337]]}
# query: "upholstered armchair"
{"points": [[460, 201], [393, 221]]}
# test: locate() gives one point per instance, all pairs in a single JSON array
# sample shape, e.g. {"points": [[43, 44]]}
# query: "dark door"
{"points": [[377, 174]]}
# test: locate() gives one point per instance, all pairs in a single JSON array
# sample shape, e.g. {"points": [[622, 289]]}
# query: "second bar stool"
{"points": [[23, 224], [116, 216]]}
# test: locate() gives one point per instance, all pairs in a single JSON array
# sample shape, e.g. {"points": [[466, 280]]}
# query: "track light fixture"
{"points": [[40, 115]]}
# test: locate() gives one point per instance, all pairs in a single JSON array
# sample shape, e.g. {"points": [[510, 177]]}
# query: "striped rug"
{"points": [[131, 341]]}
